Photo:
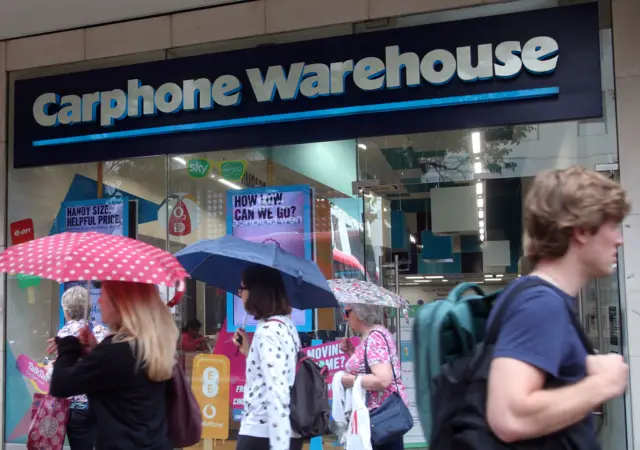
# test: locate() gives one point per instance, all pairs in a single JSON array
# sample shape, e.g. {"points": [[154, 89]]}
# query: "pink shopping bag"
{"points": [[49, 416]]}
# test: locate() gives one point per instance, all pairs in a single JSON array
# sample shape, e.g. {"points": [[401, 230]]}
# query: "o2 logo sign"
{"points": [[180, 213]]}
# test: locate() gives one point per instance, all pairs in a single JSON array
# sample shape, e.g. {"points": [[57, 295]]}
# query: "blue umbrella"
{"points": [[221, 262]]}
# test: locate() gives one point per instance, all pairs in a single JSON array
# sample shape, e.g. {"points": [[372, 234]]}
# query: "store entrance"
{"points": [[599, 307], [447, 207]]}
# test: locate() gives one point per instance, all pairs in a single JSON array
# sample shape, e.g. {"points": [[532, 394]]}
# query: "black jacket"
{"points": [[130, 409]]}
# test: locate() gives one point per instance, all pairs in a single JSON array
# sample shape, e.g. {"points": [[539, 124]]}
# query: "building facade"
{"points": [[343, 131]]}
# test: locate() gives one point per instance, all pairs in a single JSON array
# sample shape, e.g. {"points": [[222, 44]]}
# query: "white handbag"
{"points": [[358, 436]]}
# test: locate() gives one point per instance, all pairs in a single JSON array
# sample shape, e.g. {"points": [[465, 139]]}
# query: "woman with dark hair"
{"points": [[271, 361], [192, 341]]}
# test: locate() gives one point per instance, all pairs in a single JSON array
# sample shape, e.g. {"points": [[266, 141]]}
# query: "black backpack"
{"points": [[310, 411], [459, 398]]}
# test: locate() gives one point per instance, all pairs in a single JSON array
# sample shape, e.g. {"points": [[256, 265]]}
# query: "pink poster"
{"points": [[329, 355], [225, 346], [34, 371]]}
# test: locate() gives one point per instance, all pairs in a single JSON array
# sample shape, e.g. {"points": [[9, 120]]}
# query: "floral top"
{"points": [[377, 353], [72, 328]]}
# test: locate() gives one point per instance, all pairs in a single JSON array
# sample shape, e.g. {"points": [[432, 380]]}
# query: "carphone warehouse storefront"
{"points": [[348, 150]]}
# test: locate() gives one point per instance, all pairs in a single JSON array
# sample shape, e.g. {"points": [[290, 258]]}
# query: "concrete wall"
{"points": [[626, 33]]}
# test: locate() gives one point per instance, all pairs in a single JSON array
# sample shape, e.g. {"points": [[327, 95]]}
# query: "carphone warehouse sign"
{"points": [[527, 67]]}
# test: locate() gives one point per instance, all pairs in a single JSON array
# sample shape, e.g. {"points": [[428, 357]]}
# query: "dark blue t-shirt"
{"points": [[537, 329]]}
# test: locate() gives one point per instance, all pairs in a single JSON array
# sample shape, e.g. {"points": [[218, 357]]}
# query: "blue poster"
{"points": [[108, 216], [279, 215]]}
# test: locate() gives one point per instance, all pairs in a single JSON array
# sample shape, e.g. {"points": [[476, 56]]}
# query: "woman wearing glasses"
{"points": [[271, 360], [380, 370]]}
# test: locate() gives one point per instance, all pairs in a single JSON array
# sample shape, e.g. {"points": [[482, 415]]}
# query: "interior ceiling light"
{"points": [[228, 183], [475, 142], [362, 146]]}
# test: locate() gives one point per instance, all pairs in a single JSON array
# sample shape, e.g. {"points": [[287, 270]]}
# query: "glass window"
{"points": [[35, 198], [199, 188]]}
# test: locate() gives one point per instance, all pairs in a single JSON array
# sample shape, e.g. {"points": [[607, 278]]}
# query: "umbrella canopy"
{"points": [[221, 263], [95, 256], [350, 291]]}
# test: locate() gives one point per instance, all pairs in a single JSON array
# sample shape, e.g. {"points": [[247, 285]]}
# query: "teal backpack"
{"points": [[444, 331]]}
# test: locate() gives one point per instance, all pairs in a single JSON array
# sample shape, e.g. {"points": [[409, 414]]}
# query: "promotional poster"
{"points": [[108, 216], [280, 216]]}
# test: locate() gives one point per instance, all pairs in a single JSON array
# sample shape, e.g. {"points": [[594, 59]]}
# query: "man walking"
{"points": [[572, 223]]}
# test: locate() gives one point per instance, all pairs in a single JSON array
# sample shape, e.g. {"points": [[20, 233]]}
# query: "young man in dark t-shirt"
{"points": [[572, 224]]}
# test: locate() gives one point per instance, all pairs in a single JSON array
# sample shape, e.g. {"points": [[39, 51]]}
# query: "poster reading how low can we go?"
{"points": [[275, 215]]}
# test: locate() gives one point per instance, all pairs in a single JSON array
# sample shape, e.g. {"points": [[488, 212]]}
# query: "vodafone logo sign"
{"points": [[180, 213]]}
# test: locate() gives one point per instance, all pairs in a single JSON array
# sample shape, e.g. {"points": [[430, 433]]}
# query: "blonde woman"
{"points": [[125, 375]]}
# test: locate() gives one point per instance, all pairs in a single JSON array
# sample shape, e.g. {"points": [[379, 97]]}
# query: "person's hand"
{"points": [[346, 346], [51, 346], [87, 339], [241, 340], [613, 371], [348, 380]]}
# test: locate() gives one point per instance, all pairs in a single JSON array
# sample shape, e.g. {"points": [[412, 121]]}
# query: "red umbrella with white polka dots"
{"points": [[92, 256]]}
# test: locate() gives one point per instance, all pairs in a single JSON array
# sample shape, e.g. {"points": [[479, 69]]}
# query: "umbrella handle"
{"points": [[178, 295]]}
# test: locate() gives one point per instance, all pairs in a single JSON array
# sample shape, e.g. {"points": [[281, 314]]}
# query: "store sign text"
{"points": [[538, 55]]}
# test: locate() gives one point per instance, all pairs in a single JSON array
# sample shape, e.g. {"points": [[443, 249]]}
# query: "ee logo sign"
{"points": [[210, 378]]}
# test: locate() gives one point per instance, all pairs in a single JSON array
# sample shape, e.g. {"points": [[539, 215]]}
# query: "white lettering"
{"points": [[197, 94], [508, 63], [396, 62], [90, 103], [141, 99], [226, 91], [169, 98], [483, 69], [315, 81], [339, 72], [368, 74], [113, 106], [539, 55], [287, 86], [41, 110], [438, 67], [70, 110]]}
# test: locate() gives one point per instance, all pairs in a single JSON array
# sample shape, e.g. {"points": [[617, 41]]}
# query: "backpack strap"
{"points": [[367, 369], [494, 330]]}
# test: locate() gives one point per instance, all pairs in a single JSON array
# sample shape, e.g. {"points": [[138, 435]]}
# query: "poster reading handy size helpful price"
{"points": [[108, 216], [276, 215]]}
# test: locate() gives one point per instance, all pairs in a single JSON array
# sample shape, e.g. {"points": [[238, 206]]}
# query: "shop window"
{"points": [[35, 197]]}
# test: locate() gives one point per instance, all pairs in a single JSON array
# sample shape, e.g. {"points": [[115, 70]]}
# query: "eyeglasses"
{"points": [[241, 289], [347, 312]]}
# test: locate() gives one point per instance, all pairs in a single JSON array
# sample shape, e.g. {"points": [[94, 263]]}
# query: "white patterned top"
{"points": [[271, 371], [72, 328]]}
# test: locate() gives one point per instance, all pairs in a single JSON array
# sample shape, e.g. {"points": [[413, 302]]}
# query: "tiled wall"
{"points": [[626, 34], [223, 23]]}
